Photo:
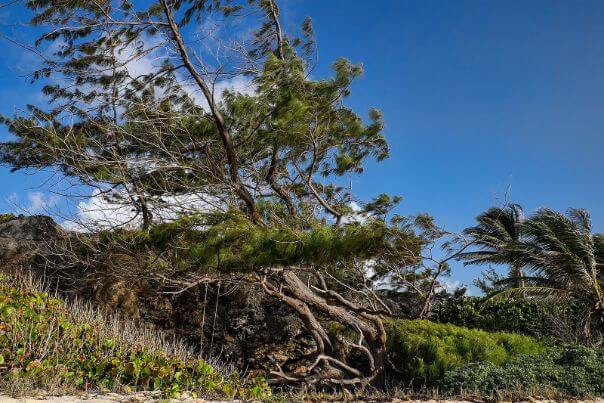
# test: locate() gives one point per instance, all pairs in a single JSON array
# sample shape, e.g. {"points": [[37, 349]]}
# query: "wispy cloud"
{"points": [[450, 285], [98, 212], [40, 202], [36, 203], [356, 215]]}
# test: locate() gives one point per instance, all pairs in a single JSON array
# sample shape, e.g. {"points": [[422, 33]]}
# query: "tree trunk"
{"points": [[517, 273], [147, 215]]}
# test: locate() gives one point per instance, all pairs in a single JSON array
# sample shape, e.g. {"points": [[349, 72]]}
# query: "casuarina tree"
{"points": [[156, 102]]}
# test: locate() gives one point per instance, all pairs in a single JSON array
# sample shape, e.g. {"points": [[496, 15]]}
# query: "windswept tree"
{"points": [[498, 231], [563, 259], [265, 163]]}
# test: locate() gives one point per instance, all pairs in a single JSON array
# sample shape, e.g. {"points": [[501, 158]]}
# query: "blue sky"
{"points": [[478, 96]]}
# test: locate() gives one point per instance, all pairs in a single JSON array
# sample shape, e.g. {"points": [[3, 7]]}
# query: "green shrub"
{"points": [[6, 218], [574, 371], [519, 316], [44, 345], [422, 351]]}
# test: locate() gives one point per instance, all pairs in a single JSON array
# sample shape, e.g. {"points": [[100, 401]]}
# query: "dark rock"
{"points": [[238, 324], [25, 237]]}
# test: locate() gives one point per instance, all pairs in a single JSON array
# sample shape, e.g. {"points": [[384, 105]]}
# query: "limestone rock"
{"points": [[24, 237]]}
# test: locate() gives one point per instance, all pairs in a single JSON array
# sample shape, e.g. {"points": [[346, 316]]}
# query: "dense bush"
{"points": [[422, 351], [43, 345], [564, 371], [529, 317]]}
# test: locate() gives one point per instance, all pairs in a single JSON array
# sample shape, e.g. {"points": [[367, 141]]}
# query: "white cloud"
{"points": [[138, 66], [240, 84], [450, 285], [355, 215], [150, 63], [39, 202], [36, 203], [98, 212]]}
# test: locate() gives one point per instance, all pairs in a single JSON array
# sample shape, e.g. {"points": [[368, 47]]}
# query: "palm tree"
{"points": [[565, 258], [497, 233]]}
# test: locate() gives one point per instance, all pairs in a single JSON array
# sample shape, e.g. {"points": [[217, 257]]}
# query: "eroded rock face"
{"points": [[25, 237], [238, 323]]}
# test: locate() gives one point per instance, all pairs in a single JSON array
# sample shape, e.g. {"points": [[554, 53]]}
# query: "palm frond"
{"points": [[598, 241], [536, 281], [564, 259], [497, 230]]}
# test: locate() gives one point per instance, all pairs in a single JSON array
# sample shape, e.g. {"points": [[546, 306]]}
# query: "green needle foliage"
{"points": [[267, 166], [230, 244], [146, 138]]}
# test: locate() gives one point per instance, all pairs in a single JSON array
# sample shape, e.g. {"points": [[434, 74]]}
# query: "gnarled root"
{"points": [[327, 368]]}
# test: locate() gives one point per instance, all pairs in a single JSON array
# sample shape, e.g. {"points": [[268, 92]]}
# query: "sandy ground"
{"points": [[109, 398], [114, 397], [134, 399], [94, 399], [74, 399], [66, 399]]}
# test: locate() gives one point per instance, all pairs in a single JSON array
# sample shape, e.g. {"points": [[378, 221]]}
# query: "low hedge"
{"points": [[422, 351], [533, 318], [572, 371]]}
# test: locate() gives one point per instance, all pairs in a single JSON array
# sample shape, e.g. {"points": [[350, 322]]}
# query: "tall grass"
{"points": [[130, 333]]}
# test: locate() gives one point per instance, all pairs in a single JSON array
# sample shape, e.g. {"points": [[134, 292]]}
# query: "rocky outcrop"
{"points": [[237, 323], [22, 238]]}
